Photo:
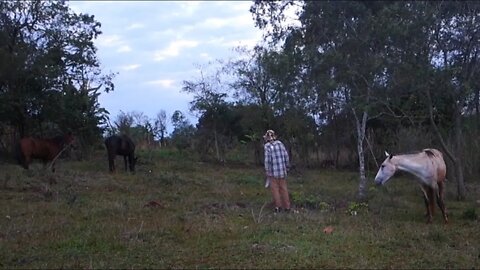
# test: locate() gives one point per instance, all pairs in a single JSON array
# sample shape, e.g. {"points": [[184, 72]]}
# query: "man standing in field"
{"points": [[276, 164]]}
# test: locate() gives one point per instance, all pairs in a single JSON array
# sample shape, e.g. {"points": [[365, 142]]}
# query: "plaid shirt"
{"points": [[276, 159]]}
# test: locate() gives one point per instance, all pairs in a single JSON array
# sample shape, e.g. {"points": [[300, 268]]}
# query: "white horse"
{"points": [[429, 168]]}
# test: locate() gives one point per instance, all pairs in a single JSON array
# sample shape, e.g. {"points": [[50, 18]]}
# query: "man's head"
{"points": [[269, 136]]}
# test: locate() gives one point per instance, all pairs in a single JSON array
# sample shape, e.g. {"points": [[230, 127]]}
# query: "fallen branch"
{"points": [[56, 157], [259, 214]]}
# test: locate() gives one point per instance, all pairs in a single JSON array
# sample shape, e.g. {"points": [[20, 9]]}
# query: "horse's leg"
{"points": [[113, 169], [25, 164], [111, 161], [425, 199], [26, 161], [440, 200], [23, 160], [125, 160], [431, 202], [428, 197], [112, 164]]}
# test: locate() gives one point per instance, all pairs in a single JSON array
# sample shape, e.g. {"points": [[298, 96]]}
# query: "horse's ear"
{"points": [[386, 153]]}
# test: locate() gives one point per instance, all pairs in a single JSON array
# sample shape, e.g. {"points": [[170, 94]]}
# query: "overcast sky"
{"points": [[156, 45]]}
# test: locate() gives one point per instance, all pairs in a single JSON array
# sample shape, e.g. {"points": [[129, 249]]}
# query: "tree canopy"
{"points": [[50, 77]]}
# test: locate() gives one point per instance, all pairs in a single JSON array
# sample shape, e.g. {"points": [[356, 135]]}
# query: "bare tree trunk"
{"points": [[459, 164], [217, 152], [336, 140], [162, 139], [361, 127], [477, 108]]}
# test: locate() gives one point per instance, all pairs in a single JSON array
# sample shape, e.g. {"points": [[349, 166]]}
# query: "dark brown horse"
{"points": [[123, 146], [45, 149]]}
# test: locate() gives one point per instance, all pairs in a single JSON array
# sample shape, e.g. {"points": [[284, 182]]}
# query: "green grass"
{"points": [[176, 212]]}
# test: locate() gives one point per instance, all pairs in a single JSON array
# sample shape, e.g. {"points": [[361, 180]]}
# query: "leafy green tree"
{"points": [[396, 65], [123, 123], [47, 55], [455, 44], [209, 103], [269, 79], [183, 132], [339, 43]]}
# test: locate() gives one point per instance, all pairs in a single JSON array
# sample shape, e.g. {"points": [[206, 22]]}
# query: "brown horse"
{"points": [[429, 168], [45, 149]]}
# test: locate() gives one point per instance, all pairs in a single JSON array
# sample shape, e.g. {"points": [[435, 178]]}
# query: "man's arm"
{"points": [[266, 162], [286, 157]]}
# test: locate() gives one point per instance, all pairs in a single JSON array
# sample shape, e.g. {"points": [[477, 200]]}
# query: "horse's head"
{"points": [[387, 170]]}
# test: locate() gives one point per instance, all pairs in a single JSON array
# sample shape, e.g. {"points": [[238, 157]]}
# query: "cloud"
{"points": [[135, 26], [124, 48], [109, 40], [187, 8], [206, 56], [229, 42], [165, 40], [232, 22], [163, 83], [114, 43], [249, 43], [130, 67], [215, 23], [174, 48]]}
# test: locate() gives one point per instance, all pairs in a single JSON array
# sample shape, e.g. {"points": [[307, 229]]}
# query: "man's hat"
{"points": [[269, 136]]}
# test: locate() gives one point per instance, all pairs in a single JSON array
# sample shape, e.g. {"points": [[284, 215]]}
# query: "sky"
{"points": [[156, 45]]}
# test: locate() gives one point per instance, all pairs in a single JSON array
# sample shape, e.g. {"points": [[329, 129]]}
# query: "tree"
{"points": [[346, 53], [46, 55], [455, 43], [124, 123], [395, 65], [183, 132], [209, 102], [160, 126]]}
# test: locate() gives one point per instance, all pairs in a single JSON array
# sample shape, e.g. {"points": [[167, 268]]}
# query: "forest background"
{"points": [[348, 81]]}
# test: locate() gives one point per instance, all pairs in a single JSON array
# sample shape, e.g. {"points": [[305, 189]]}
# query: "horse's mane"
{"points": [[428, 152], [407, 153]]}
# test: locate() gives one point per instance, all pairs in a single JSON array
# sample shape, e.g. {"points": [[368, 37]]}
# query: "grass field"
{"points": [[176, 212]]}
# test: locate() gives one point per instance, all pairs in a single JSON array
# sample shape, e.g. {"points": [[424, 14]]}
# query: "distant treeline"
{"points": [[346, 81]]}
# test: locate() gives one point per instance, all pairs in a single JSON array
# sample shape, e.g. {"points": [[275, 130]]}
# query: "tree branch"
{"points": [[437, 131]]}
